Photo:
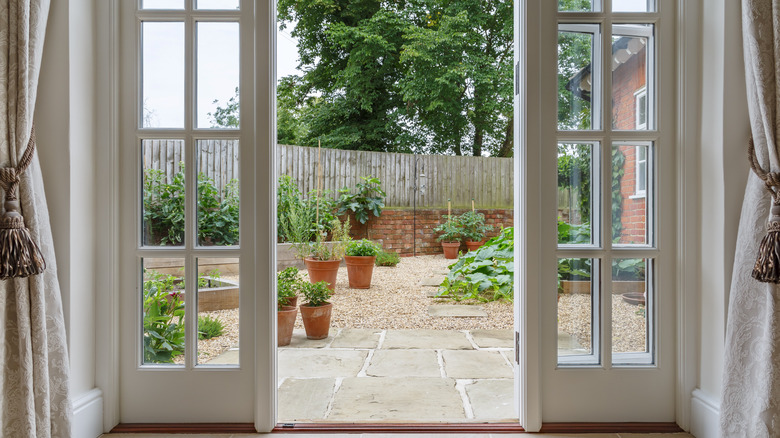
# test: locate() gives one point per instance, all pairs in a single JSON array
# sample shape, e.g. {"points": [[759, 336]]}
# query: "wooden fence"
{"points": [[489, 181]]}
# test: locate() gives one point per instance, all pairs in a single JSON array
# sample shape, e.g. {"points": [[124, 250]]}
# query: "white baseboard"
{"points": [[88, 415], [705, 415]]}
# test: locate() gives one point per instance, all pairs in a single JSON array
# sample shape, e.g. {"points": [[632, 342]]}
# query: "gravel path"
{"points": [[628, 324]]}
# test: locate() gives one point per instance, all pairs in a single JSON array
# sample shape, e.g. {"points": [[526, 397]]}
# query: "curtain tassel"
{"points": [[767, 267]]}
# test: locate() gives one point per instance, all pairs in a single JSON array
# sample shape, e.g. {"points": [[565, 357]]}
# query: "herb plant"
{"points": [[163, 320], [209, 327], [473, 225], [287, 285], [450, 231], [385, 258], [363, 247], [316, 294]]}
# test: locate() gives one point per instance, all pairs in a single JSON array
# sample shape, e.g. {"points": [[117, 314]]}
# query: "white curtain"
{"points": [[750, 406], [35, 385]]}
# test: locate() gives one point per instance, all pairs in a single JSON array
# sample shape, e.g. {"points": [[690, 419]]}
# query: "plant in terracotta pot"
{"points": [[473, 229], [360, 258], [322, 259], [316, 311], [287, 286], [451, 235]]}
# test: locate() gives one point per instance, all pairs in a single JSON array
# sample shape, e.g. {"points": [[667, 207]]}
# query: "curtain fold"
{"points": [[750, 404], [35, 377]]}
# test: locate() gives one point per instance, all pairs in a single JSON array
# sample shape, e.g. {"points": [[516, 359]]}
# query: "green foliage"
{"points": [[628, 270], [573, 270], [618, 169], [217, 212], [573, 234], [288, 285], [385, 258], [296, 215], [363, 247], [574, 54], [450, 231], [163, 321], [228, 116], [486, 274], [473, 226], [368, 198], [209, 327], [319, 250], [316, 294], [574, 164]]}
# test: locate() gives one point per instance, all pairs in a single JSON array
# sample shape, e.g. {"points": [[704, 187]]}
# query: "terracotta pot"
{"points": [[323, 270], [285, 322], [450, 249], [474, 245], [316, 320], [289, 302], [359, 271]]}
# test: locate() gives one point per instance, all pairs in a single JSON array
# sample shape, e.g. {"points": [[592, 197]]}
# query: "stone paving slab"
{"points": [[320, 363], [568, 345], [357, 338], [426, 339], [229, 357], [492, 399], [476, 365], [493, 338], [299, 340], [432, 281], [304, 399], [397, 399], [509, 355], [457, 311], [404, 363]]}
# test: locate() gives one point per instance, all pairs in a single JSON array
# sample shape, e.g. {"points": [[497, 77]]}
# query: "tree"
{"points": [[227, 116]]}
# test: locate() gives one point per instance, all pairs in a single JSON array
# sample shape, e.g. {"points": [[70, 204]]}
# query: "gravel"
{"points": [[628, 322]]}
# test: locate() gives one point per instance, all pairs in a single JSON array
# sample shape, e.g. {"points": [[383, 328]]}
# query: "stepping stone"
{"points": [[431, 293], [476, 365], [432, 281], [457, 311], [397, 399], [299, 340], [426, 339], [320, 363], [493, 338], [305, 399], [229, 357], [357, 338], [404, 363], [492, 399], [568, 345]]}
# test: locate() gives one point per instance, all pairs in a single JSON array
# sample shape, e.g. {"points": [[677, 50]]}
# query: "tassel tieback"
{"points": [[20, 256]]}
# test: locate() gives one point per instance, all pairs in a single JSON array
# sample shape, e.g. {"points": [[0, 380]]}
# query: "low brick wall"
{"points": [[399, 229]]}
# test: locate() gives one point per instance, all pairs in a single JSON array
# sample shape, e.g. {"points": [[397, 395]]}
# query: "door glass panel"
{"points": [[218, 75], [579, 5], [218, 190], [162, 306], [578, 78], [630, 298], [632, 191], [163, 193], [218, 4], [577, 299], [633, 5], [575, 197], [218, 304], [631, 68], [162, 4], [162, 53]]}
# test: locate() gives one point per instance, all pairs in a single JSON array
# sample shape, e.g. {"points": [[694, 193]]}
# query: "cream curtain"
{"points": [[750, 406], [34, 399]]}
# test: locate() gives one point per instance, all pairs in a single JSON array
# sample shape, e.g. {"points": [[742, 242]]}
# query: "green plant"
{"points": [[297, 218], [209, 327], [486, 274], [319, 250], [450, 231], [385, 258], [363, 247], [217, 212], [618, 170], [473, 225], [288, 284], [163, 320], [628, 270], [316, 294], [573, 233], [573, 270], [368, 198]]}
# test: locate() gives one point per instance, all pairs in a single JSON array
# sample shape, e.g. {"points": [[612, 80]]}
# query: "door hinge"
{"points": [[517, 348]]}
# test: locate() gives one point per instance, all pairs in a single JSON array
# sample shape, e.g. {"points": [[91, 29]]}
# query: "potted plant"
{"points": [[473, 229], [287, 286], [316, 311], [322, 259], [360, 258], [451, 235]]}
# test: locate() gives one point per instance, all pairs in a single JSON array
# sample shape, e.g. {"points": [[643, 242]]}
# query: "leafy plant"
{"points": [[209, 327], [618, 170], [385, 258], [363, 247], [473, 225], [297, 215], [573, 270], [628, 269], [288, 284], [572, 233], [450, 231], [368, 198], [163, 321], [316, 294], [217, 212], [320, 250], [484, 275]]}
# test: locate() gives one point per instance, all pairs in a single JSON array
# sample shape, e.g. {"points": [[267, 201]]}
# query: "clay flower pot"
{"points": [[359, 270], [450, 249], [316, 320], [290, 302], [323, 270], [474, 245], [285, 322]]}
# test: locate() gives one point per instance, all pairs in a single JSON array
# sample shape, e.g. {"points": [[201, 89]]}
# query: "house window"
{"points": [[640, 97], [641, 171]]}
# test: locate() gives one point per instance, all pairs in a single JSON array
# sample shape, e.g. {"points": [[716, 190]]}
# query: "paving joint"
{"points": [[440, 359], [366, 364], [460, 385], [336, 386], [381, 339], [471, 339]]}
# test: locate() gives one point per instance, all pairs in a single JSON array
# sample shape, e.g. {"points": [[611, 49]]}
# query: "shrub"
{"points": [[368, 198], [287, 285], [296, 215], [316, 294], [209, 327], [473, 226], [387, 258], [363, 247], [163, 321], [450, 231]]}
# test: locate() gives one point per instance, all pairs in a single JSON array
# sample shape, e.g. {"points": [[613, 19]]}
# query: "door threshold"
{"points": [[399, 427]]}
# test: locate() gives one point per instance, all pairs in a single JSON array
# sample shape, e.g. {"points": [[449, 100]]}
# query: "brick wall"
{"points": [[398, 231]]}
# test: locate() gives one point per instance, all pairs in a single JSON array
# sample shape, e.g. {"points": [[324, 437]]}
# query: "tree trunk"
{"points": [[478, 134], [458, 151], [507, 148]]}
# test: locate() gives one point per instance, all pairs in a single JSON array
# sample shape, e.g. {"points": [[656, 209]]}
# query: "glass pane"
{"points": [[575, 198], [218, 74], [633, 5], [218, 190], [163, 311], [578, 83], [163, 193], [631, 190], [163, 75], [162, 4], [629, 308], [630, 102], [218, 299], [579, 5], [217, 4], [577, 297]]}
